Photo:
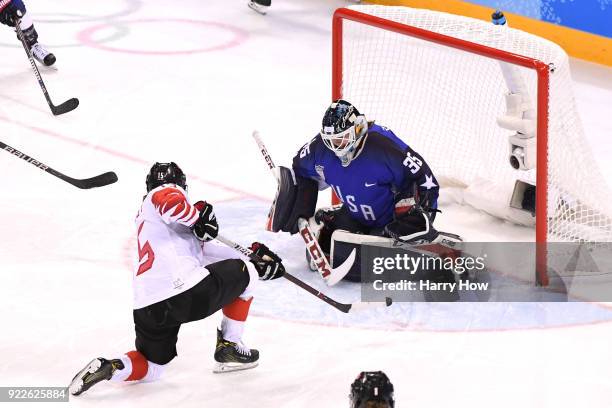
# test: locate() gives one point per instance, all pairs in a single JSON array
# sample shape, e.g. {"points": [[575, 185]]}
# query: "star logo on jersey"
{"points": [[429, 184]]}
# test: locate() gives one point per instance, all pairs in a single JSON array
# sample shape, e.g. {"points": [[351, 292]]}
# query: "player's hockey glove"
{"points": [[405, 205], [408, 204], [10, 14], [327, 215], [206, 227], [410, 222], [270, 266]]}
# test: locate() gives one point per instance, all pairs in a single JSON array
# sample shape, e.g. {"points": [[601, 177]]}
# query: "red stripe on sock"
{"points": [[238, 309], [140, 366]]}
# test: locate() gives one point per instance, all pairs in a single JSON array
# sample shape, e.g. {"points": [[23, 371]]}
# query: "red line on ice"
{"points": [[238, 36], [129, 157]]}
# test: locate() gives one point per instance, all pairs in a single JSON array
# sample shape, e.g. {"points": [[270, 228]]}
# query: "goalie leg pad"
{"points": [[343, 243]]}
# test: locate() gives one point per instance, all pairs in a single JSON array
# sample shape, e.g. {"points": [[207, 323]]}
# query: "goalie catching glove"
{"points": [[270, 265], [205, 227], [411, 223]]}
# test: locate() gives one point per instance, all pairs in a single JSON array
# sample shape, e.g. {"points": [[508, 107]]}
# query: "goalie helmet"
{"points": [[342, 128], [372, 389], [164, 173]]}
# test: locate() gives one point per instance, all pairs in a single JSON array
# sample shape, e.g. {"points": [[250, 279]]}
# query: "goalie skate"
{"points": [[97, 370], [230, 356]]}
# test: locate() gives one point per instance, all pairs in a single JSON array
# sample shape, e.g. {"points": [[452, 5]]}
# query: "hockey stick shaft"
{"points": [[343, 307], [330, 275], [65, 107], [264, 152], [97, 181]]}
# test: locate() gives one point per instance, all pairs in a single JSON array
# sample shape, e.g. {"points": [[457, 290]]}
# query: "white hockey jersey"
{"points": [[171, 259]]}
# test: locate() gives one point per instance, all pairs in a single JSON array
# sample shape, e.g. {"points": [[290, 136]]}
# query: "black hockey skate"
{"points": [[41, 55], [260, 6], [97, 370], [233, 356]]}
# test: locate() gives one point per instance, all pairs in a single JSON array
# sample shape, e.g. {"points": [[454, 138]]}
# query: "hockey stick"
{"points": [[343, 307], [70, 104], [330, 275], [97, 181]]}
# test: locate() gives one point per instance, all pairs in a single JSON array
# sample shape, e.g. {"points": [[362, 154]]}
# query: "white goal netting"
{"points": [[445, 103]]}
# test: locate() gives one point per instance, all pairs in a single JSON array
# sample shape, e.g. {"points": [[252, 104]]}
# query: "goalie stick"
{"points": [[343, 307], [97, 181], [70, 104], [330, 275]]}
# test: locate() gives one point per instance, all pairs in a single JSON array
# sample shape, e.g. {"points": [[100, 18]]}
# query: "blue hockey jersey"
{"points": [[383, 166]]}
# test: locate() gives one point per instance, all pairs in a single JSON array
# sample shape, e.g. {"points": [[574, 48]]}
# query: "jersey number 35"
{"points": [[413, 163]]}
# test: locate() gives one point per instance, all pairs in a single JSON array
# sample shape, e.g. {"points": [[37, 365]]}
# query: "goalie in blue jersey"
{"points": [[386, 188]]}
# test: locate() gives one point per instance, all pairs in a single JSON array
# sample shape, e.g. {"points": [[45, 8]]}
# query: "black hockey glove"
{"points": [[10, 14], [206, 227], [327, 215], [405, 205], [409, 204], [270, 266], [410, 222]]}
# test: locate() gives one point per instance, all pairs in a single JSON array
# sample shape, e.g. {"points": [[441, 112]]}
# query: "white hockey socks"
{"points": [[234, 316], [137, 368]]}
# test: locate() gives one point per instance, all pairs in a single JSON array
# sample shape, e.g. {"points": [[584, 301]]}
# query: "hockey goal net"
{"points": [[459, 91]]}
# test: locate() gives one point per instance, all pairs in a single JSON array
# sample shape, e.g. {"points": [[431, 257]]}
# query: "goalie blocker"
{"points": [[296, 197]]}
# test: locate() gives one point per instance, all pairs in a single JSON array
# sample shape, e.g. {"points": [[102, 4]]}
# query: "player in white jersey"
{"points": [[182, 276]]}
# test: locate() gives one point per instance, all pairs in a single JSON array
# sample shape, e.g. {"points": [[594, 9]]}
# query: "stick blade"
{"points": [[340, 272], [69, 105], [361, 306], [97, 181]]}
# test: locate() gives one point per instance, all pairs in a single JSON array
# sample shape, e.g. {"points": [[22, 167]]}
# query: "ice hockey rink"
{"points": [[189, 81]]}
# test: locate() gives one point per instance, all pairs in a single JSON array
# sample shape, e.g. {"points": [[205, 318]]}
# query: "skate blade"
{"points": [[229, 367], [260, 9], [77, 382]]}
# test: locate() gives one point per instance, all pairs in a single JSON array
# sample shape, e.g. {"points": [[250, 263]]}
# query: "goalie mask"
{"points": [[342, 128], [165, 173], [372, 389]]}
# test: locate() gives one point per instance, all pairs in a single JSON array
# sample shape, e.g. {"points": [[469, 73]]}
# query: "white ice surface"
{"points": [[66, 254]]}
